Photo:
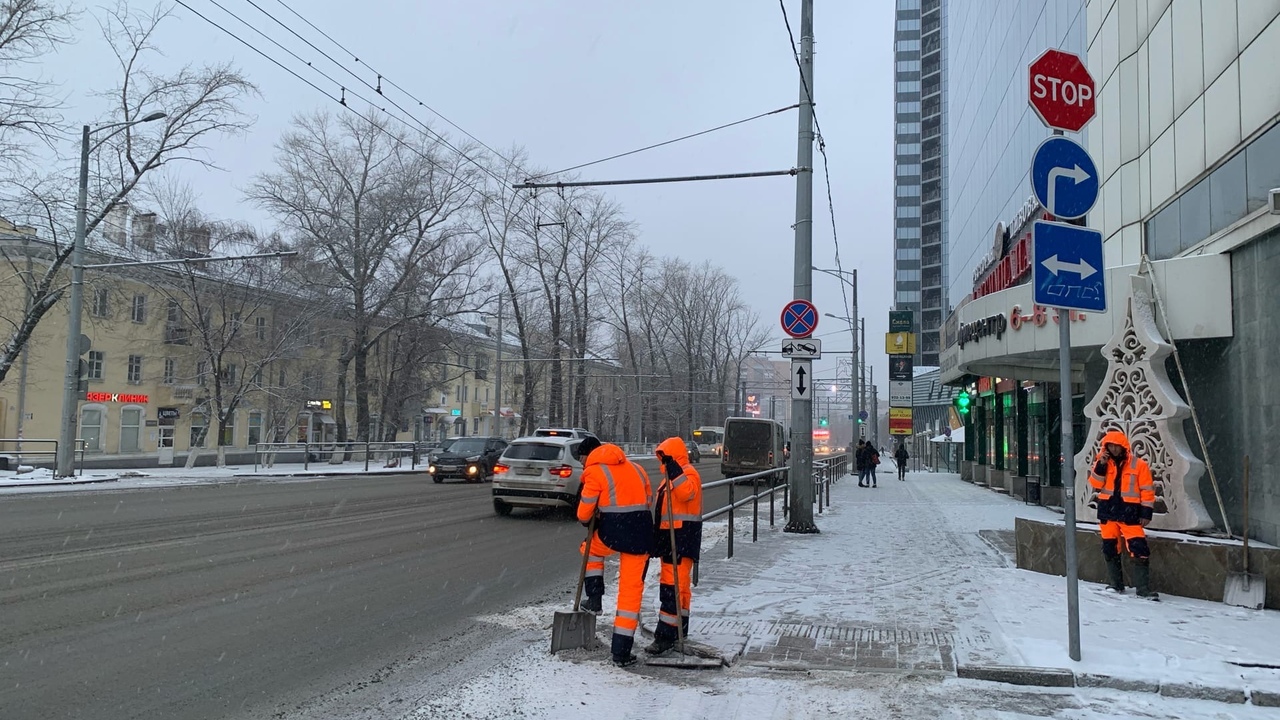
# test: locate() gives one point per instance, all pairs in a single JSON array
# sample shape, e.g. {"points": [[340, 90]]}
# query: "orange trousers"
{"points": [[670, 590], [1135, 538], [630, 583]]}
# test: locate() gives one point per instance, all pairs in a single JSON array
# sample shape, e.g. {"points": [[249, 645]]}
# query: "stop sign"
{"points": [[1061, 90]]}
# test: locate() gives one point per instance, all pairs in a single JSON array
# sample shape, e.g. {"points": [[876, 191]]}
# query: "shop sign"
{"points": [[1038, 317], [1002, 233], [319, 404], [103, 397], [986, 327], [900, 321], [168, 413], [900, 421], [901, 367], [900, 393], [1011, 268]]}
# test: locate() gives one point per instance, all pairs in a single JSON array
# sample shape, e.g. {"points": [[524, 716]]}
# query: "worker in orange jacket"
{"points": [[618, 493], [679, 505], [1126, 500]]}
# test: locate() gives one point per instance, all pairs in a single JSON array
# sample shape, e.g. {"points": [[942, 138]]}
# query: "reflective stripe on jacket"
{"points": [[620, 491]]}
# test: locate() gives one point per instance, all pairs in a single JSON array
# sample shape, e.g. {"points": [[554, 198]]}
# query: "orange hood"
{"points": [[674, 448], [606, 454], [1115, 437]]}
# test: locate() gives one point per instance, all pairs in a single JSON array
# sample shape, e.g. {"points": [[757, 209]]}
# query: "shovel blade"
{"points": [[572, 630], [1248, 590], [687, 662]]}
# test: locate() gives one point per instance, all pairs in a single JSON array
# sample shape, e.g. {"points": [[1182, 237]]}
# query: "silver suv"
{"points": [[578, 433], [538, 472]]}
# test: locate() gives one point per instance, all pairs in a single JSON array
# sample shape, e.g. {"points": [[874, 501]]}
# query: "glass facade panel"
{"points": [[1193, 215], [1263, 171], [1227, 194], [1164, 238]]}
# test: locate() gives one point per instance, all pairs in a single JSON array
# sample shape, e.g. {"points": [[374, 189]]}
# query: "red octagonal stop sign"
{"points": [[1061, 90]]}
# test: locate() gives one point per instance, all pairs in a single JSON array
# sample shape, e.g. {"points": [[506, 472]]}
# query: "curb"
{"points": [[1064, 677], [93, 481], [304, 474]]}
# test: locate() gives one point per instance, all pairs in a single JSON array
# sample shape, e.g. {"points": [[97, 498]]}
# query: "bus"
{"points": [[752, 445], [709, 439]]}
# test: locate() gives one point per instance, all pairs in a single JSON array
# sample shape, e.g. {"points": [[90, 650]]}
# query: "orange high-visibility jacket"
{"points": [[620, 491], [686, 489], [1136, 486]]}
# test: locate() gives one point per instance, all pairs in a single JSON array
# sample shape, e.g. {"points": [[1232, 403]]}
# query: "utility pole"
{"points": [[71, 375], [801, 474], [862, 368], [497, 378]]}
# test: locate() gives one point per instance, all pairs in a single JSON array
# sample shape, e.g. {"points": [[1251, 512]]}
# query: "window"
{"points": [[908, 275], [260, 328], [235, 321], [228, 438], [908, 148], [908, 169], [909, 233], [1193, 215], [138, 313], [909, 86], [91, 428], [1228, 198], [100, 302], [908, 128], [905, 212], [908, 191], [135, 369], [1263, 172], [905, 25], [908, 253], [255, 428], [130, 429], [482, 366], [908, 296], [170, 370], [908, 66], [229, 374], [908, 107], [173, 313], [202, 372], [257, 377], [97, 361], [906, 45], [199, 426]]}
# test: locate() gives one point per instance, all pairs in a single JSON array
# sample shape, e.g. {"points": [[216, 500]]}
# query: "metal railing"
{"points": [[42, 453], [384, 451]]}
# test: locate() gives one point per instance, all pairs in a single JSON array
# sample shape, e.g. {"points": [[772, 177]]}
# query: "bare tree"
{"points": [[29, 29], [199, 102], [380, 208]]}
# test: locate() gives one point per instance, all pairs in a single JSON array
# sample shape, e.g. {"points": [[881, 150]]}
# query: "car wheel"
{"points": [[437, 479], [501, 508]]}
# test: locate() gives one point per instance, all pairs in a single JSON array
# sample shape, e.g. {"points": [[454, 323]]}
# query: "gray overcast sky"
{"points": [[576, 80]]}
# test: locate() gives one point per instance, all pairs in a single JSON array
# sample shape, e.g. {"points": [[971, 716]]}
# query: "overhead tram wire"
{"points": [[389, 81], [339, 100], [425, 128], [666, 142], [822, 148]]}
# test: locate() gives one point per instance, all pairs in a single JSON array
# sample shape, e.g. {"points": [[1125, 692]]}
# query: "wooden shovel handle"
{"points": [[582, 574]]}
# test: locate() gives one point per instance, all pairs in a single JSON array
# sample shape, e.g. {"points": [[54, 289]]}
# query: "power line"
{"points": [[668, 142], [651, 181]]}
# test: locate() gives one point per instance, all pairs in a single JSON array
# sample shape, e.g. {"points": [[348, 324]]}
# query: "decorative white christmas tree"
{"points": [[1138, 399]]}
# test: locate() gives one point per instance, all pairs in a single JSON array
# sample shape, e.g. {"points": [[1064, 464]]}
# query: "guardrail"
{"points": [[388, 451], [40, 455]]}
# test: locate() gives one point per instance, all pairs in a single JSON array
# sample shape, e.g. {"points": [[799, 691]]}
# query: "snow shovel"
{"points": [[577, 629], [1245, 589], [683, 659]]}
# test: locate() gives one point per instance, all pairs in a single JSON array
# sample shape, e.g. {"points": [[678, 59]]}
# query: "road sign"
{"points": [[801, 379], [900, 393], [1067, 267], [900, 321], [799, 318], [802, 349], [901, 367], [1061, 90], [1064, 178], [900, 343], [862, 415], [900, 421]]}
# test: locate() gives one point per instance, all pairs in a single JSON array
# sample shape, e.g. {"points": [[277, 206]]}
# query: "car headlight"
{"points": [[472, 469], [431, 469]]}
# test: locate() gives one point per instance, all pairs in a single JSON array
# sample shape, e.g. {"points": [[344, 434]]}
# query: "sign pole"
{"points": [[801, 473]]}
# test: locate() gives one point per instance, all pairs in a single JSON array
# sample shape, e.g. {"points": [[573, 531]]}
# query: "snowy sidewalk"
{"points": [[905, 582]]}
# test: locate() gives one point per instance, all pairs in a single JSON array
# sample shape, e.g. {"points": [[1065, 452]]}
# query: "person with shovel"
{"points": [[1126, 500], [679, 506], [616, 493]]}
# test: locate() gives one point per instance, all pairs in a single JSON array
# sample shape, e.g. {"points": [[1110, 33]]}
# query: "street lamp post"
{"points": [[71, 378]]}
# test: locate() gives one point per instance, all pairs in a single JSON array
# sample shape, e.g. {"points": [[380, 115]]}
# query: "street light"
{"points": [[71, 379]]}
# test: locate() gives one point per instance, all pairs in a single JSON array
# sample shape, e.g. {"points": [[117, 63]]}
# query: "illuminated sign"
{"points": [[1009, 270], [319, 404], [115, 397]]}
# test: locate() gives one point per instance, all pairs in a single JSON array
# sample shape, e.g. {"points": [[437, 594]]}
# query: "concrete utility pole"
{"points": [[801, 473], [71, 375], [497, 378]]}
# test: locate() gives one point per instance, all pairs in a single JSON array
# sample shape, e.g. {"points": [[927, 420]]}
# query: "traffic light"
{"points": [[962, 403], [822, 422]]}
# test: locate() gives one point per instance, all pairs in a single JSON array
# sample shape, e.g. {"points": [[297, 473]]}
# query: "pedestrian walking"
{"points": [[679, 506], [1126, 500], [860, 462], [873, 461], [901, 456], [618, 492]]}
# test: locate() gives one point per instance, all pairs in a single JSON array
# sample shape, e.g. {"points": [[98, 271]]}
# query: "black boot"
{"points": [[660, 645], [1142, 579], [1115, 572], [622, 655], [593, 604]]}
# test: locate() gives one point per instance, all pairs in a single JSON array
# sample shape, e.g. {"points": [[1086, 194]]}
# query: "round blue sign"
{"points": [[1064, 178], [799, 318]]}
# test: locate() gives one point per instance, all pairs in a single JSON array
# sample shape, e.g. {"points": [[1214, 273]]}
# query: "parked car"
{"points": [[538, 472], [695, 455], [467, 458], [578, 433]]}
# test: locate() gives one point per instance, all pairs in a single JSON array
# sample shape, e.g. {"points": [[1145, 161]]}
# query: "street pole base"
{"points": [[805, 527]]}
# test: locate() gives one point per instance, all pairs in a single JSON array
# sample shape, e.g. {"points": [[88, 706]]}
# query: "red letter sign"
{"points": [[1061, 90]]}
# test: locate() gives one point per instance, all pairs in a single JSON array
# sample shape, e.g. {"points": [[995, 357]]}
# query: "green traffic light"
{"points": [[962, 403], [822, 422]]}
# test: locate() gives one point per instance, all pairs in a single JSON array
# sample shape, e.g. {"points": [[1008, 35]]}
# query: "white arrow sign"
{"points": [[1077, 175], [801, 379], [1055, 266]]}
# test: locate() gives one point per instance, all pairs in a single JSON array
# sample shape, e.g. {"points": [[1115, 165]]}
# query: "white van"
{"points": [[752, 445]]}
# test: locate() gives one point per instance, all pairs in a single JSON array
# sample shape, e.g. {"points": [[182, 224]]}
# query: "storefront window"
{"points": [[255, 428], [91, 428], [130, 429], [1009, 401], [228, 438], [199, 424], [1037, 433]]}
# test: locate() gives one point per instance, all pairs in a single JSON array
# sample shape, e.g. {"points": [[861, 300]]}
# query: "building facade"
{"points": [[920, 149], [1187, 144]]}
